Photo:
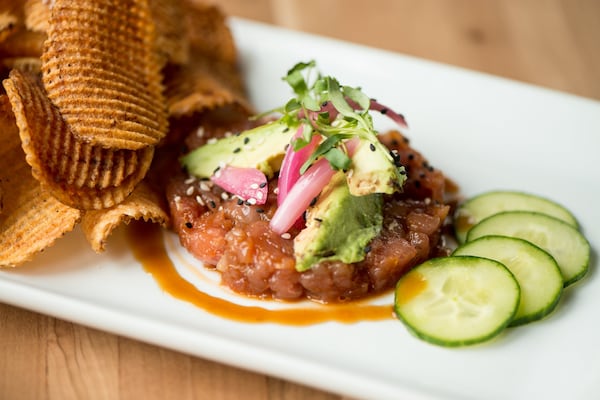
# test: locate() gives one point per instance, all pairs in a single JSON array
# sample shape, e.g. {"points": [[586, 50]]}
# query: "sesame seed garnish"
{"points": [[189, 191], [367, 248], [260, 210], [318, 220], [262, 185], [276, 190], [254, 186], [384, 111], [313, 201], [205, 187], [286, 235], [189, 225], [237, 149], [211, 140], [212, 204], [372, 147], [228, 134], [246, 140], [251, 201], [199, 200], [200, 132], [190, 180], [259, 195], [240, 202], [225, 196]]}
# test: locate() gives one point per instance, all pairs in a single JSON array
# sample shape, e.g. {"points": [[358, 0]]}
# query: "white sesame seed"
{"points": [[225, 196], [199, 200], [204, 186], [254, 186], [228, 134], [286, 235], [259, 195], [251, 201], [189, 180], [211, 141], [276, 190], [189, 191], [200, 132]]}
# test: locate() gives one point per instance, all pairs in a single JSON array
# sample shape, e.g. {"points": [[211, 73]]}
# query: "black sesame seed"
{"points": [[246, 140], [189, 225], [318, 220], [262, 185], [367, 248], [287, 128], [260, 210], [324, 103], [212, 204], [240, 202], [384, 111], [237, 150], [372, 146], [402, 172], [216, 169], [313, 202]]}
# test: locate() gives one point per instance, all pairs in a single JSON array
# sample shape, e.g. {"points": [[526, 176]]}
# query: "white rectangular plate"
{"points": [[482, 131]]}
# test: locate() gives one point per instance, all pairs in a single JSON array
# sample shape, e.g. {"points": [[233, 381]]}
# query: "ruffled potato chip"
{"points": [[171, 38], [211, 77], [144, 203], [95, 50], [36, 15], [31, 218], [75, 172]]}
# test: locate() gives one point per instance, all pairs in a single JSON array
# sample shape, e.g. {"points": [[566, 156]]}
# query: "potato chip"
{"points": [[211, 77], [143, 204], [171, 38], [22, 43], [88, 39], [75, 172], [28, 64], [31, 219], [36, 14]]}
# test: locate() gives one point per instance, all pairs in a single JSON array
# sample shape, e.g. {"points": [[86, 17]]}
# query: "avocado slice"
{"points": [[374, 170], [262, 147], [339, 226]]}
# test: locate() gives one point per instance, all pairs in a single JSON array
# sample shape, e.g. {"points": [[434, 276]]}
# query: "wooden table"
{"points": [[552, 43]]}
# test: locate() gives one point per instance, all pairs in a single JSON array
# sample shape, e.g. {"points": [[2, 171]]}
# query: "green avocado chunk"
{"points": [[262, 147], [374, 170], [339, 226]]}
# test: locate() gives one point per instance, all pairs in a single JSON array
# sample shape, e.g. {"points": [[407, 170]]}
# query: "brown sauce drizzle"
{"points": [[146, 243]]}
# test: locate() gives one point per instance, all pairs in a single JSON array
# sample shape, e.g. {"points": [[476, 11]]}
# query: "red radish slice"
{"points": [[249, 184]]}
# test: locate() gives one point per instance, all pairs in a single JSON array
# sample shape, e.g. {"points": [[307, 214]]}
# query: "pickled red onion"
{"points": [[290, 167], [310, 184], [249, 184]]}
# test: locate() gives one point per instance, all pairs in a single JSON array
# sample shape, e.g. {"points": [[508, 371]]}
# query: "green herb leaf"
{"points": [[338, 159]]}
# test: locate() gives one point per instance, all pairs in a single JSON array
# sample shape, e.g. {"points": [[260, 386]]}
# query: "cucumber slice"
{"points": [[469, 213], [457, 301], [566, 244], [536, 272]]}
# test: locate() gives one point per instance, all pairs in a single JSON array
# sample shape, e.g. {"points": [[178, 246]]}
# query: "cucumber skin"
{"points": [[457, 343], [461, 234], [567, 281], [551, 306]]}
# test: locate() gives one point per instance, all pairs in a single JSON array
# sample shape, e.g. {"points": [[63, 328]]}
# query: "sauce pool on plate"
{"points": [[147, 245]]}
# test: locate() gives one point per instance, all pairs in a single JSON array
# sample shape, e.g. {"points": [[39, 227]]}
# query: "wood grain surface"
{"points": [[552, 43]]}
